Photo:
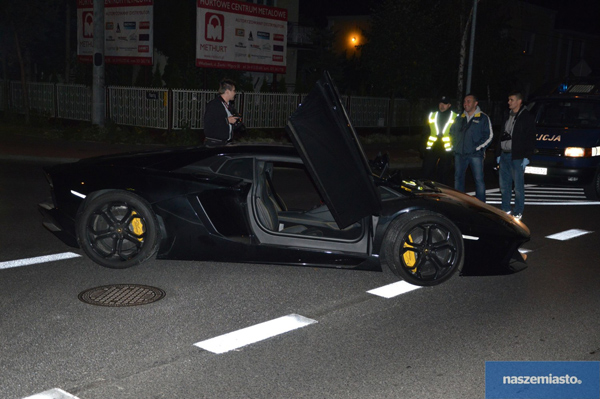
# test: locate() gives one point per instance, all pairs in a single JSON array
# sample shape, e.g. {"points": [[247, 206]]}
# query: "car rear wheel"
{"points": [[118, 230], [424, 248]]}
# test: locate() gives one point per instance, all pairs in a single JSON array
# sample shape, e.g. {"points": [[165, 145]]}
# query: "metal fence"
{"points": [[136, 106], [368, 111], [267, 110], [74, 102], [178, 109], [188, 108], [40, 95]]}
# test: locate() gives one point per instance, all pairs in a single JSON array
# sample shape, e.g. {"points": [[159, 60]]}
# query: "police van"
{"points": [[567, 151]]}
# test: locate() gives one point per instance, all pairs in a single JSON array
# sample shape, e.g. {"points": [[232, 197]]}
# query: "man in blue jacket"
{"points": [[471, 134]]}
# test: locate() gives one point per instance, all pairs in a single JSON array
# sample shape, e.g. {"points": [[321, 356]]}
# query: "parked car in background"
{"points": [[567, 149]]}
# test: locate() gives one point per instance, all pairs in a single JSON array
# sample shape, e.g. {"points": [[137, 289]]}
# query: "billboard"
{"points": [[239, 35], [128, 31]]}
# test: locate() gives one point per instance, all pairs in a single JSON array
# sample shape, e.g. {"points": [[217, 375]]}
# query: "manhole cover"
{"points": [[118, 295]]}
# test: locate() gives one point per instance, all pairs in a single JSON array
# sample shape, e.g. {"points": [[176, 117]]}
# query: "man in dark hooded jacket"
{"points": [[513, 149]]}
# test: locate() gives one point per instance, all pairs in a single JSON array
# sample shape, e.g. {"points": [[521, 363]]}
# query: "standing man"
{"points": [[438, 152], [220, 117], [513, 149], [471, 134]]}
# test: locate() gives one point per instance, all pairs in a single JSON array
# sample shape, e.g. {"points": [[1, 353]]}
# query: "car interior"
{"points": [[287, 202]]}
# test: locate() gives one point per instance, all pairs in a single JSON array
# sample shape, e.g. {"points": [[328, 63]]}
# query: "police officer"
{"points": [[437, 160]]}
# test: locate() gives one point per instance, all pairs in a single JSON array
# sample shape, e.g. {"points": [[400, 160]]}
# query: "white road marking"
{"points": [[78, 194], [467, 237], [38, 259], [259, 332], [55, 393], [394, 289], [567, 235], [564, 203], [543, 195]]}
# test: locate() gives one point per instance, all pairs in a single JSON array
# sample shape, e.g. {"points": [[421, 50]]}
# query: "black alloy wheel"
{"points": [[424, 248], [118, 230]]}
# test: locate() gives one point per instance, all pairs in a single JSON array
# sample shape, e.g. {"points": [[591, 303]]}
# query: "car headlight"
{"points": [[578, 152]]}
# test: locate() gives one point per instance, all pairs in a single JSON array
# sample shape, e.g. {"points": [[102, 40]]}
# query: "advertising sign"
{"points": [[128, 34], [542, 380], [239, 35]]}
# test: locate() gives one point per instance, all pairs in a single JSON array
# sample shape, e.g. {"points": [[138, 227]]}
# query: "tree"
{"points": [[17, 20], [494, 65], [416, 48], [175, 37], [399, 51], [317, 59]]}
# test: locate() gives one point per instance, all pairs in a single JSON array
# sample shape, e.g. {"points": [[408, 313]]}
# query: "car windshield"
{"points": [[573, 113]]}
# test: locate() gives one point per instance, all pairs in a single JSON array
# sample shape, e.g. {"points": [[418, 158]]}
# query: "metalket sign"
{"points": [[128, 35], [239, 35]]}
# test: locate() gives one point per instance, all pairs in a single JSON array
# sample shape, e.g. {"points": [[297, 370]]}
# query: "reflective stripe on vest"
{"points": [[434, 131]]}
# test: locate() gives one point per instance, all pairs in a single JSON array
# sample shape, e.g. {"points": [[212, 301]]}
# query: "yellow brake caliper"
{"points": [[138, 226], [409, 257]]}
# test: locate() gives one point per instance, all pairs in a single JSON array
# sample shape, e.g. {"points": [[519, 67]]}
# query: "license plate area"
{"points": [[534, 170]]}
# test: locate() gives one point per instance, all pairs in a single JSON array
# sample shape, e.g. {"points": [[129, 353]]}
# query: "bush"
{"points": [[263, 136], [184, 137]]}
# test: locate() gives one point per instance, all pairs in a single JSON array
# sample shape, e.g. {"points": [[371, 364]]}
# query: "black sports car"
{"points": [[316, 203]]}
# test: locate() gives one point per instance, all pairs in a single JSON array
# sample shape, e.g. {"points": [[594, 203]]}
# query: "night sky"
{"points": [[319, 10], [581, 15]]}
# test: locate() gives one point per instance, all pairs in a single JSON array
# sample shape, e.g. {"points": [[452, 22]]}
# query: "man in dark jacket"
{"points": [[220, 117], [513, 149], [471, 134]]}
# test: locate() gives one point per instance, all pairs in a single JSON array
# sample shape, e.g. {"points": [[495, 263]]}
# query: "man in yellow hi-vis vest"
{"points": [[437, 159]]}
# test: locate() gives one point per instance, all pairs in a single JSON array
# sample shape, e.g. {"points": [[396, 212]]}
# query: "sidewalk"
{"points": [[43, 149]]}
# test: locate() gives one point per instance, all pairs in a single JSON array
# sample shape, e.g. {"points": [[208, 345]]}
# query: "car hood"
{"points": [[328, 144]]}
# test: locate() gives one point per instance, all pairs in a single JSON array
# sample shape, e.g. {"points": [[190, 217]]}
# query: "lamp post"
{"points": [[98, 90], [471, 47]]}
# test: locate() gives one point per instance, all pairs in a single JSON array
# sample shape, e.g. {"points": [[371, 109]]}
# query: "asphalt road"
{"points": [[427, 343]]}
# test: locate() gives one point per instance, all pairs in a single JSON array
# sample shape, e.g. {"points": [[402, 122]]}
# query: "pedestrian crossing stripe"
{"points": [[538, 195]]}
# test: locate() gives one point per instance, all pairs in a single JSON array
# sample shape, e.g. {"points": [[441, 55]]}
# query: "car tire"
{"points": [[592, 190], [118, 230], [423, 248]]}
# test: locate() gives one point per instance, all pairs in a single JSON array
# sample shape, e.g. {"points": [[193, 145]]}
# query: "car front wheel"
{"points": [[118, 230], [424, 248]]}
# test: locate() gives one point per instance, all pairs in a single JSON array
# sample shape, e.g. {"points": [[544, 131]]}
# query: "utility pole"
{"points": [[98, 89], [472, 47], [67, 43]]}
